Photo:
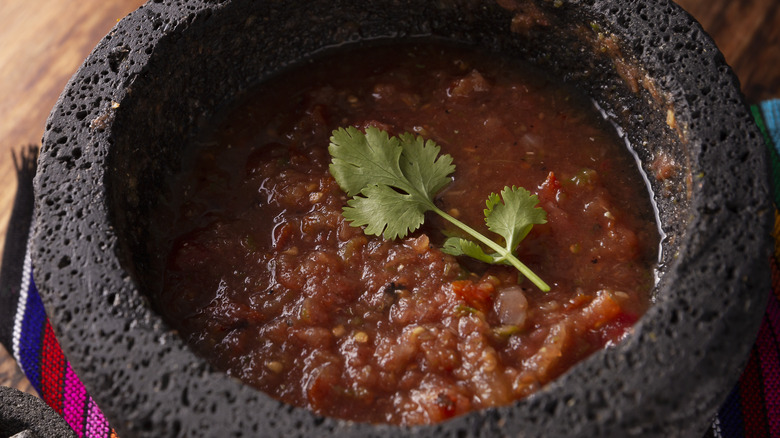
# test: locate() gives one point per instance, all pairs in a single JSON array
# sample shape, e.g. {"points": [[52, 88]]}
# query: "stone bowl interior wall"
{"points": [[195, 73]]}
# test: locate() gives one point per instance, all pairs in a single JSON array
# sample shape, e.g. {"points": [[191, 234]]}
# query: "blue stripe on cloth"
{"points": [[770, 109], [31, 342], [730, 416]]}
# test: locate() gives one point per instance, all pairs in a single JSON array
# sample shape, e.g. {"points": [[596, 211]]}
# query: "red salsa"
{"points": [[266, 279]]}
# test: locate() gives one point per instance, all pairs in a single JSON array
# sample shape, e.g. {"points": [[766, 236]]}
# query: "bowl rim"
{"points": [[62, 225]]}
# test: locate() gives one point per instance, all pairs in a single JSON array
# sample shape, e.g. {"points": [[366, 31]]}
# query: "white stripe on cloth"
{"points": [[21, 305], [716, 428]]}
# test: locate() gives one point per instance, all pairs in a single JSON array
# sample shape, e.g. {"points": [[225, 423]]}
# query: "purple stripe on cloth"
{"points": [[75, 402], [730, 416], [31, 342]]}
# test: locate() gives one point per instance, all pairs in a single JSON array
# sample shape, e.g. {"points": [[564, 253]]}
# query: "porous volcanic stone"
{"points": [[23, 415], [117, 130]]}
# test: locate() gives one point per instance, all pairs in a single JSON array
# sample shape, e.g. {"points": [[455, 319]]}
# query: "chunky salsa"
{"points": [[266, 279]]}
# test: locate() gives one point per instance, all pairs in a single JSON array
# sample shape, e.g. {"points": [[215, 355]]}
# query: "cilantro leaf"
{"points": [[420, 164], [360, 160], [514, 218], [392, 182], [459, 246], [518, 204], [386, 212], [407, 163]]}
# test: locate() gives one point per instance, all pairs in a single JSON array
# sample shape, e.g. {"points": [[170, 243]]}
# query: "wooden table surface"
{"points": [[43, 42]]}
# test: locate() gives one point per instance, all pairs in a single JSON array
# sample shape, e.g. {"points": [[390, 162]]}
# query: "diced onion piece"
{"points": [[511, 306]]}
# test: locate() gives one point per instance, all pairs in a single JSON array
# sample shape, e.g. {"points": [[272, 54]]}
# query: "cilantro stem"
{"points": [[525, 270], [392, 182]]}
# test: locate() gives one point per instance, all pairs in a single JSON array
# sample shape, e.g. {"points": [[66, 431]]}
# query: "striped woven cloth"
{"points": [[751, 410]]}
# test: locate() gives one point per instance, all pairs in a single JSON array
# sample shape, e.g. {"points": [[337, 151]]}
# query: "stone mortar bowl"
{"points": [[117, 130], [24, 415]]}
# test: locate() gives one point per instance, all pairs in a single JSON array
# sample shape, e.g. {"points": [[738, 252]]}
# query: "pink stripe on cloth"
{"points": [[97, 426], [75, 403], [751, 394], [770, 363], [772, 316]]}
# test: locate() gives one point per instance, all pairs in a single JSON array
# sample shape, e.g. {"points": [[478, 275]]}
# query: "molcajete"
{"points": [[165, 70]]}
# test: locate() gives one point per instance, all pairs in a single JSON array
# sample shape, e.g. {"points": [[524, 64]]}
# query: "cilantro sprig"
{"points": [[392, 182]]}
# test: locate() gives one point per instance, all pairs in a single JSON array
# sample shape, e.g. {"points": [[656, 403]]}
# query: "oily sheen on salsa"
{"points": [[265, 278]]}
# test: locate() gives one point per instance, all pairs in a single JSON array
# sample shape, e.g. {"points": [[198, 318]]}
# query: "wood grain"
{"points": [[748, 34], [42, 43]]}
